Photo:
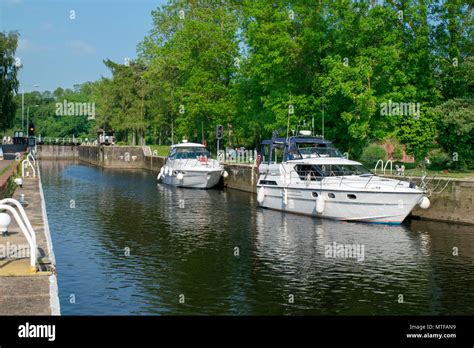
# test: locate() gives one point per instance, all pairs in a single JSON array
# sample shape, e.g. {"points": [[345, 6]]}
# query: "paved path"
{"points": [[23, 292]]}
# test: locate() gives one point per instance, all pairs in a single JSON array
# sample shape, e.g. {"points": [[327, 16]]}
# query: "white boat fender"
{"points": [[285, 197], [160, 174], [180, 176], [424, 203], [320, 204], [261, 195], [225, 174]]}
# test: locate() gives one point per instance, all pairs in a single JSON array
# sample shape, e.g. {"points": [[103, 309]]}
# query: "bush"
{"points": [[438, 159], [398, 153], [372, 154]]}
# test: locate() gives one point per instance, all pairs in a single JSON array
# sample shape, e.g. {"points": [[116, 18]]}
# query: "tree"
{"points": [[8, 78], [191, 54], [456, 135]]}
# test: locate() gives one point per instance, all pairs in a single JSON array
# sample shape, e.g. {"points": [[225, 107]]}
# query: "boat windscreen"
{"points": [[189, 153], [314, 150]]}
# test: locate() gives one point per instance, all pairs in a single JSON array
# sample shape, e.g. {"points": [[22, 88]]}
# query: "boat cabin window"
{"points": [[307, 170], [316, 172], [188, 153]]}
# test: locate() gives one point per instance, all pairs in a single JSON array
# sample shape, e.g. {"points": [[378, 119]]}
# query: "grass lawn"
{"points": [[467, 174], [162, 150]]}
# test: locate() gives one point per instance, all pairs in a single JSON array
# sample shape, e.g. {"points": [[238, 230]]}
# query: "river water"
{"points": [[126, 245]]}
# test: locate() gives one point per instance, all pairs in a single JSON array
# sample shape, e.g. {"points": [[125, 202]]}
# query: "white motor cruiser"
{"points": [[190, 165], [307, 175]]}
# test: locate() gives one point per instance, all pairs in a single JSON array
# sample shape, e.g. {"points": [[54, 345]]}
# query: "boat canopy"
{"points": [[297, 147]]}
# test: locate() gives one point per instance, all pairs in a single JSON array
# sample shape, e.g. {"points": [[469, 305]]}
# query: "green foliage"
{"points": [[438, 159], [418, 134], [398, 152], [8, 78], [255, 66], [43, 113], [455, 119], [372, 154]]}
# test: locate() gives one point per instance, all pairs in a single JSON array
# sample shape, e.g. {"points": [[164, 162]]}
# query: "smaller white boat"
{"points": [[190, 165]]}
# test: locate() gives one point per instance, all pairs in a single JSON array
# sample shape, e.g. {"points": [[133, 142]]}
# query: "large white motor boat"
{"points": [[307, 175], [190, 165]]}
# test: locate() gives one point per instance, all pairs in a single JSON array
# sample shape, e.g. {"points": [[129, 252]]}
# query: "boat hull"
{"points": [[199, 179], [368, 206]]}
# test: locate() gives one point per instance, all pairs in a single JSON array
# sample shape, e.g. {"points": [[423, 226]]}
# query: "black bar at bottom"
{"points": [[395, 330]]}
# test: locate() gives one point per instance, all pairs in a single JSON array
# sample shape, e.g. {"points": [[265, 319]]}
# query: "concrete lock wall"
{"points": [[453, 204], [57, 152], [119, 157]]}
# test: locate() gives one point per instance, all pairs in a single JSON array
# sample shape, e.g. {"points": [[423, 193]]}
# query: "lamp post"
{"points": [[23, 108]]}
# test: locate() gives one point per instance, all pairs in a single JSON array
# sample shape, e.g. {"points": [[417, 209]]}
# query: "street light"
{"points": [[23, 108]]}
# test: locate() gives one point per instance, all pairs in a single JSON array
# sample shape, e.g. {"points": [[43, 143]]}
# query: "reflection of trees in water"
{"points": [[190, 251], [451, 277], [397, 261]]}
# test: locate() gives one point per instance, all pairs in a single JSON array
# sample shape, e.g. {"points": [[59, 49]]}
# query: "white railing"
{"points": [[245, 156], [30, 236], [23, 215], [32, 157], [376, 166], [24, 165], [385, 167]]}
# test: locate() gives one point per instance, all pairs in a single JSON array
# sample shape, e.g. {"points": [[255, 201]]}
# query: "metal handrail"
{"points": [[24, 164], [30, 155], [381, 162], [23, 228], [23, 215], [385, 167]]}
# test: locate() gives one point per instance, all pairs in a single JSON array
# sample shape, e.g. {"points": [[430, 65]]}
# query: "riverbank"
{"points": [[26, 291], [452, 200]]}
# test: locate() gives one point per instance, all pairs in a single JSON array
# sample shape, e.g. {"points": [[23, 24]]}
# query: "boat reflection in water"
{"points": [[227, 256], [404, 269]]}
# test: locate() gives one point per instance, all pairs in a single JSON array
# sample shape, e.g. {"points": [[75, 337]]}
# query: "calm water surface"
{"points": [[183, 243]]}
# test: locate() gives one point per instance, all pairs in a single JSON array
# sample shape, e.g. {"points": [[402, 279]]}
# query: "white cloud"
{"points": [[81, 47], [25, 45]]}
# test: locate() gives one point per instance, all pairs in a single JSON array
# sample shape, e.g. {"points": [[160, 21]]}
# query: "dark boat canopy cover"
{"points": [[318, 147]]}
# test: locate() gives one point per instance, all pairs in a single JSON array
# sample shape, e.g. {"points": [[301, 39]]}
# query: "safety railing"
{"points": [[376, 166], [27, 229], [24, 164], [386, 164], [32, 158]]}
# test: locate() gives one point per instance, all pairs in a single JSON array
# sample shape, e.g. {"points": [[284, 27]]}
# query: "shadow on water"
{"points": [[127, 245]]}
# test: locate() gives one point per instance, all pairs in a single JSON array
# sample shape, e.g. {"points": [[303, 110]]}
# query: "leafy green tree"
{"points": [[455, 119], [8, 78]]}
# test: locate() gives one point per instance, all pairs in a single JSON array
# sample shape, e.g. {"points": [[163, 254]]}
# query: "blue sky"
{"points": [[57, 51]]}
